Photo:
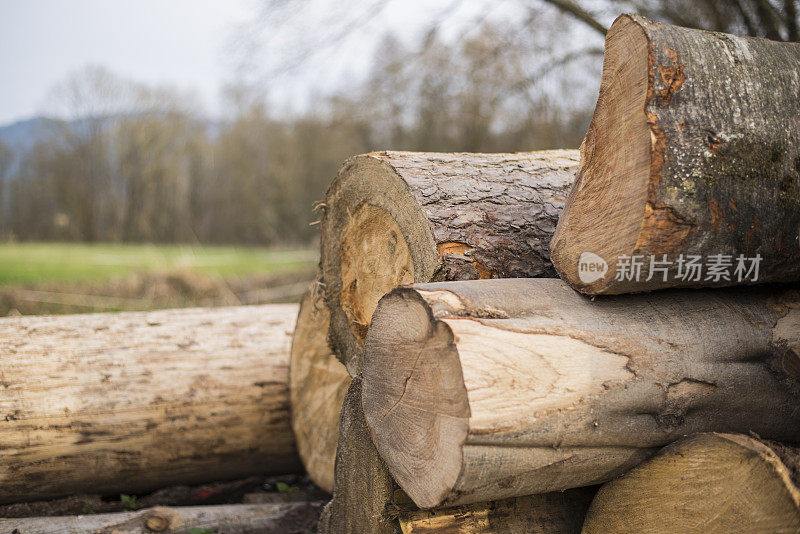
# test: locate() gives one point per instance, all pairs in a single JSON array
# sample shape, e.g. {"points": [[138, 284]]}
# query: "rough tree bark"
{"points": [[221, 519], [692, 151], [129, 402], [705, 483], [488, 389], [401, 217], [317, 383], [367, 500]]}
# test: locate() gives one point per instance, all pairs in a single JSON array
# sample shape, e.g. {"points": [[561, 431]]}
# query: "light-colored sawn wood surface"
{"points": [[129, 402], [318, 382], [487, 389], [705, 483]]}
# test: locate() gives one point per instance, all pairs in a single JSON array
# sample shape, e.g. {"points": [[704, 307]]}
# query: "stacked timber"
{"points": [[368, 500], [436, 380], [402, 217], [396, 218], [486, 399]]}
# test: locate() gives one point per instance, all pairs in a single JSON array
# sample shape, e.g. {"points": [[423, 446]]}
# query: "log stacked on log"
{"points": [[488, 394], [488, 389], [692, 150], [130, 402], [402, 217], [395, 217]]}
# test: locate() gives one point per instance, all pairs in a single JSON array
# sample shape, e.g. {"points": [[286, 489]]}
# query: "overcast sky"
{"points": [[191, 44], [179, 42]]}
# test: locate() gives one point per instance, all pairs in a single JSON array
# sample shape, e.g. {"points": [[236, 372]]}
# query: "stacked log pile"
{"points": [[439, 377], [484, 396]]}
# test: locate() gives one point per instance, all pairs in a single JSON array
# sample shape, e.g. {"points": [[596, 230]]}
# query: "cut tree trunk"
{"points": [[403, 217], [317, 382], [705, 483], [488, 389], [367, 500], [130, 402], [232, 518], [692, 151]]}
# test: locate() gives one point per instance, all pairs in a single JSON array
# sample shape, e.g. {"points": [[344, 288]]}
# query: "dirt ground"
{"points": [[253, 490]]}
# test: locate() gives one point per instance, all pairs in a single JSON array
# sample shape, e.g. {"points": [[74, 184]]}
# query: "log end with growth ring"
{"points": [[395, 218], [705, 483], [691, 152], [413, 384], [375, 238], [604, 213], [374, 260]]}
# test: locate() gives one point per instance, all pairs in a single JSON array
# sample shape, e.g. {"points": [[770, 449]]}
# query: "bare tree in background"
{"points": [[6, 158], [116, 170], [772, 19], [80, 169], [138, 163], [330, 27], [320, 30]]}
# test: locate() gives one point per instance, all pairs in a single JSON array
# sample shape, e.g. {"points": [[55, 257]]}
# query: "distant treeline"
{"points": [[142, 164], [153, 169]]}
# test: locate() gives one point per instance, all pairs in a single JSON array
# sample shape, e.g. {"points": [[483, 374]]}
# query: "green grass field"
{"points": [[25, 264]]}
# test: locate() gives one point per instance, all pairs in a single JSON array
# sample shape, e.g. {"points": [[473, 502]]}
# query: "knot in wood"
{"points": [[157, 523], [791, 362]]}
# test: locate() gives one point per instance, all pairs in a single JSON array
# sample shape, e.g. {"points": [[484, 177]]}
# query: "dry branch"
{"points": [[221, 519]]}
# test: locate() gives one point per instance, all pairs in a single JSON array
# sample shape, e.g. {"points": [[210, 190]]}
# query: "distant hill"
{"points": [[22, 135]]}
